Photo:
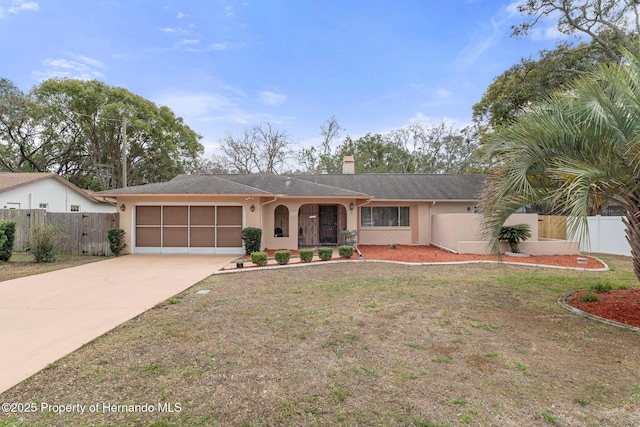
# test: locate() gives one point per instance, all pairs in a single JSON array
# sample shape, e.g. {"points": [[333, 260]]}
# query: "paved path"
{"points": [[44, 317]]}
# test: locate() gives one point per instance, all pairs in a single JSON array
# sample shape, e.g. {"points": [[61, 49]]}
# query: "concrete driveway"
{"points": [[44, 317]]}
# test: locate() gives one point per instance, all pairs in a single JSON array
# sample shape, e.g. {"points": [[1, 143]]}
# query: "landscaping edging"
{"points": [[318, 262], [563, 301]]}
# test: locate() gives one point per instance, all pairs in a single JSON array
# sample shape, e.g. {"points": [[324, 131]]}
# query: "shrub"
{"points": [[45, 240], [283, 257], [345, 251], [3, 243], [325, 254], [602, 287], [259, 258], [251, 237], [514, 234], [589, 298], [116, 240], [8, 230], [349, 237], [306, 255]]}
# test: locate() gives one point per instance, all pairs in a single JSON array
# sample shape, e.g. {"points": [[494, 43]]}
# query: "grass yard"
{"points": [[23, 264], [366, 344]]}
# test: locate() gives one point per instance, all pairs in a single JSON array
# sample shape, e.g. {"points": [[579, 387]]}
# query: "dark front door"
{"points": [[328, 221]]}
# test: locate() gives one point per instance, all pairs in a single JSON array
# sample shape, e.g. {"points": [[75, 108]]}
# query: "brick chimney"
{"points": [[348, 165]]}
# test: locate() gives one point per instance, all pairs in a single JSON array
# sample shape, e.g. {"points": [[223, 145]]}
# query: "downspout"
{"points": [[266, 203], [358, 227]]}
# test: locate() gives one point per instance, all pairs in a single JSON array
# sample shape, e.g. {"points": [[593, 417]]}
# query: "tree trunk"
{"points": [[632, 221]]}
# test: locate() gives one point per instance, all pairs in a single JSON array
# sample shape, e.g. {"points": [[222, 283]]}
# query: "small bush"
{"points": [[3, 243], [306, 255], [7, 235], [325, 254], [589, 298], [349, 237], [45, 240], [259, 258], [116, 240], [515, 234], [251, 237], [602, 287], [345, 251], [283, 257]]}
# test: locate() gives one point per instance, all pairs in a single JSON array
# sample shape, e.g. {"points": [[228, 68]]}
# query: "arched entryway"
{"points": [[321, 225]]}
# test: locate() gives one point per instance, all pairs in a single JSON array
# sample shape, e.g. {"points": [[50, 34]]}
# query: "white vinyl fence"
{"points": [[606, 236]]}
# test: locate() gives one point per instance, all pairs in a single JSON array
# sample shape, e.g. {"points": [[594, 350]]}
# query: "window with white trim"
{"points": [[384, 216], [75, 208], [44, 206]]}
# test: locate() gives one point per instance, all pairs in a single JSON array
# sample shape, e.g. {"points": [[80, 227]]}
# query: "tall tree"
{"points": [[418, 148], [609, 23], [258, 149], [577, 149], [531, 80], [74, 128], [18, 130]]}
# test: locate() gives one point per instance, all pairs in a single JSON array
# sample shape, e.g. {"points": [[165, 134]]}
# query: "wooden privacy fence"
{"points": [[552, 227], [86, 232]]}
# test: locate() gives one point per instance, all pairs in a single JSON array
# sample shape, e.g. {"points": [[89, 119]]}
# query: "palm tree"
{"points": [[579, 148]]}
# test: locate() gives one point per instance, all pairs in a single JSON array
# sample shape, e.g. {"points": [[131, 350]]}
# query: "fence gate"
{"points": [[552, 227]]}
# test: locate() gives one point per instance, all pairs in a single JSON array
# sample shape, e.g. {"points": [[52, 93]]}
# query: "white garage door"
{"points": [[188, 229]]}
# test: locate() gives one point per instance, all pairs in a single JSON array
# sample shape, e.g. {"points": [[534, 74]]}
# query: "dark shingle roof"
{"points": [[378, 186], [189, 184], [407, 186]]}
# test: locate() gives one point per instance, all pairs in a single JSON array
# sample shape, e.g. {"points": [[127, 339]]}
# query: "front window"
{"points": [[281, 222], [384, 216]]}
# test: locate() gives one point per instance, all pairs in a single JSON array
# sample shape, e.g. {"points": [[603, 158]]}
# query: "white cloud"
{"points": [[271, 98], [76, 67], [443, 93], [188, 41], [18, 6], [207, 107], [181, 15]]}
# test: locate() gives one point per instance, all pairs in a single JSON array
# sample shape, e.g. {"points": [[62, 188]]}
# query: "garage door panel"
{"points": [[175, 215], [229, 237], [148, 215], [203, 237], [148, 237], [203, 215], [175, 237], [229, 215]]}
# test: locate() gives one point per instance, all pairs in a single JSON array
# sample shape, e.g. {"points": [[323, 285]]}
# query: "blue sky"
{"points": [[224, 65]]}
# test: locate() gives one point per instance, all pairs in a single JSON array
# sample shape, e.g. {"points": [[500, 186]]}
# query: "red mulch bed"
{"points": [[421, 253], [622, 305], [432, 254]]}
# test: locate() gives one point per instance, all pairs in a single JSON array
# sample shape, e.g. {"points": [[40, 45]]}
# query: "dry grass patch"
{"points": [[22, 265], [358, 344]]}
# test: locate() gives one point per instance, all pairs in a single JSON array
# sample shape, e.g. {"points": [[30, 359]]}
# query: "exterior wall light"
{"points": [[253, 208], [351, 206], [123, 207]]}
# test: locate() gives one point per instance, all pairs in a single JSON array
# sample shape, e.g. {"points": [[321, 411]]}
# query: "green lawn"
{"points": [[367, 344]]}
